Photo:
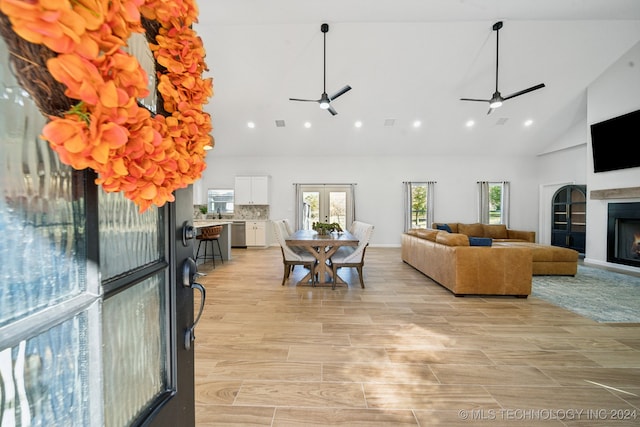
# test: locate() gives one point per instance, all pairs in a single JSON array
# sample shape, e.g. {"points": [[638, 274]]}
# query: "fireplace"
{"points": [[623, 234]]}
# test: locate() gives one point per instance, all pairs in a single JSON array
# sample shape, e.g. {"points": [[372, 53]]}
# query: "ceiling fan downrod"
{"points": [[324, 99]]}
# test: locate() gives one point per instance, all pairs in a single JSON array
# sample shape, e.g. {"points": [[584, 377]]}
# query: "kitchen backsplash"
{"points": [[251, 212], [241, 212]]}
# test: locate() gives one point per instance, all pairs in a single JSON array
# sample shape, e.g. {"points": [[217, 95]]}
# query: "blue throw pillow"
{"points": [[444, 227], [480, 241]]}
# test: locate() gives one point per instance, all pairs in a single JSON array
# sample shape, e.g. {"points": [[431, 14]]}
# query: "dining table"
{"points": [[322, 247]]}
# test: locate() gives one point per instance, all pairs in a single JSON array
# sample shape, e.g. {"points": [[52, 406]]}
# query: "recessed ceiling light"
{"points": [[251, 125], [528, 122], [470, 123], [417, 124], [358, 124], [307, 124]]}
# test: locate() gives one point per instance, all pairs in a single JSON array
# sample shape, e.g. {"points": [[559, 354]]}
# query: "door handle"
{"points": [[188, 233], [189, 274]]}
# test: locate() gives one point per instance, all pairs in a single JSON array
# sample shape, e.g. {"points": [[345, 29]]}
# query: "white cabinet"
{"points": [[252, 190], [256, 233]]}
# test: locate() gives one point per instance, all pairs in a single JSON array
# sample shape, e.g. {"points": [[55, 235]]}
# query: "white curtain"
{"points": [[483, 202], [298, 206], [505, 203], [353, 201], [408, 203]]}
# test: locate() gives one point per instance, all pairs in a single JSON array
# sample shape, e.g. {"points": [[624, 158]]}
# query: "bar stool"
{"points": [[209, 234]]}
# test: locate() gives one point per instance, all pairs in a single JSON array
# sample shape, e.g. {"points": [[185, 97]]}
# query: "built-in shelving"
{"points": [[569, 217]]}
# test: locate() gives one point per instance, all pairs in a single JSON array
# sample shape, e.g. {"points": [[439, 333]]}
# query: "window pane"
{"points": [[44, 379], [495, 203], [220, 201], [419, 206], [135, 348], [128, 239]]}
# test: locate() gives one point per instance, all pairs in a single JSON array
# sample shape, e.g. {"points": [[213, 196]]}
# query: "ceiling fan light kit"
{"points": [[497, 99], [325, 100]]}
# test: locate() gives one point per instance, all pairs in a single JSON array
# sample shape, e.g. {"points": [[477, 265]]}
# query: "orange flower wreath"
{"points": [[145, 157]]}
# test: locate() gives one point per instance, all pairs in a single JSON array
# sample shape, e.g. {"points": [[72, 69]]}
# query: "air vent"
{"points": [[501, 121], [389, 122], [279, 123]]}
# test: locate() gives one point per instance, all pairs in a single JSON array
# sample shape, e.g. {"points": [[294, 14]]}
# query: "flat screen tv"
{"points": [[615, 143]]}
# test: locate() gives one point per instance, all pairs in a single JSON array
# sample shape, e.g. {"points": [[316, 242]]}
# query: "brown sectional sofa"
{"points": [[504, 268], [547, 259], [468, 270]]}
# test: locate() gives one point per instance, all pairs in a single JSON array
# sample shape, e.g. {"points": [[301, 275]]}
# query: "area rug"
{"points": [[601, 295]]}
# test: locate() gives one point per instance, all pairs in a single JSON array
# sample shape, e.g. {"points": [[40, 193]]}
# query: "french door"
{"points": [[326, 203], [96, 299]]}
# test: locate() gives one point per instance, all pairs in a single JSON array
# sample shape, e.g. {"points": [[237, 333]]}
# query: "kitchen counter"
{"points": [[198, 223]]}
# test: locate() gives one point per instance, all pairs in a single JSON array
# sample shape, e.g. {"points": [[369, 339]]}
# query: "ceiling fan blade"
{"points": [[473, 99], [332, 111], [522, 92], [304, 100], [342, 91], [490, 110]]}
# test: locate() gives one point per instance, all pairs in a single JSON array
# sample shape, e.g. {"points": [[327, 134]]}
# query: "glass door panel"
{"points": [[311, 210], [338, 208], [45, 379], [41, 217], [128, 239], [326, 203], [135, 350]]}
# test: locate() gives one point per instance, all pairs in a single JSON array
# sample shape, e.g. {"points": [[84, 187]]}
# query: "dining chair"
{"points": [[209, 235], [292, 256], [347, 256], [288, 226]]}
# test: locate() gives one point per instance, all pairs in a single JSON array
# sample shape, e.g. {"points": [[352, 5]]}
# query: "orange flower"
{"points": [[145, 158], [79, 75], [69, 138]]}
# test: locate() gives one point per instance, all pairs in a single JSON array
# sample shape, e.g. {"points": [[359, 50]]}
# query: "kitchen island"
{"points": [[225, 235]]}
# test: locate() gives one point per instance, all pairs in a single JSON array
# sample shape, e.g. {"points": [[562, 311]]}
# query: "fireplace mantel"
{"points": [[615, 193]]}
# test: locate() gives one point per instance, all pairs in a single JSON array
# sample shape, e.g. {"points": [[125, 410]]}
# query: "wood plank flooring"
{"points": [[401, 352]]}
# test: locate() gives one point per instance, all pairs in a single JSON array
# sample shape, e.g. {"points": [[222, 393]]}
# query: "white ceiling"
{"points": [[406, 60]]}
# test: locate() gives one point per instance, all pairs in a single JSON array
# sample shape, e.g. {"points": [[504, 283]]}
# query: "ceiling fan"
{"points": [[497, 99], [325, 100]]}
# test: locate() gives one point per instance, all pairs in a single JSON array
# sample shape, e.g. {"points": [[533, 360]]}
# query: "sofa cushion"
{"points": [[452, 225], [546, 253], [452, 239], [480, 241], [428, 234], [473, 230], [444, 227], [495, 231]]}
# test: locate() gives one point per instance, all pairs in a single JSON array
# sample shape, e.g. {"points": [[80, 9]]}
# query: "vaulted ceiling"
{"points": [[407, 61]]}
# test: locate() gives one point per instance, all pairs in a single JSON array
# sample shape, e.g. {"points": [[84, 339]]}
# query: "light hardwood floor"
{"points": [[401, 352]]}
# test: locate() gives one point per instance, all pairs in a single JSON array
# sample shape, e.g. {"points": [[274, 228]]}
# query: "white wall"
{"points": [[615, 92], [533, 180], [379, 185], [555, 170]]}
